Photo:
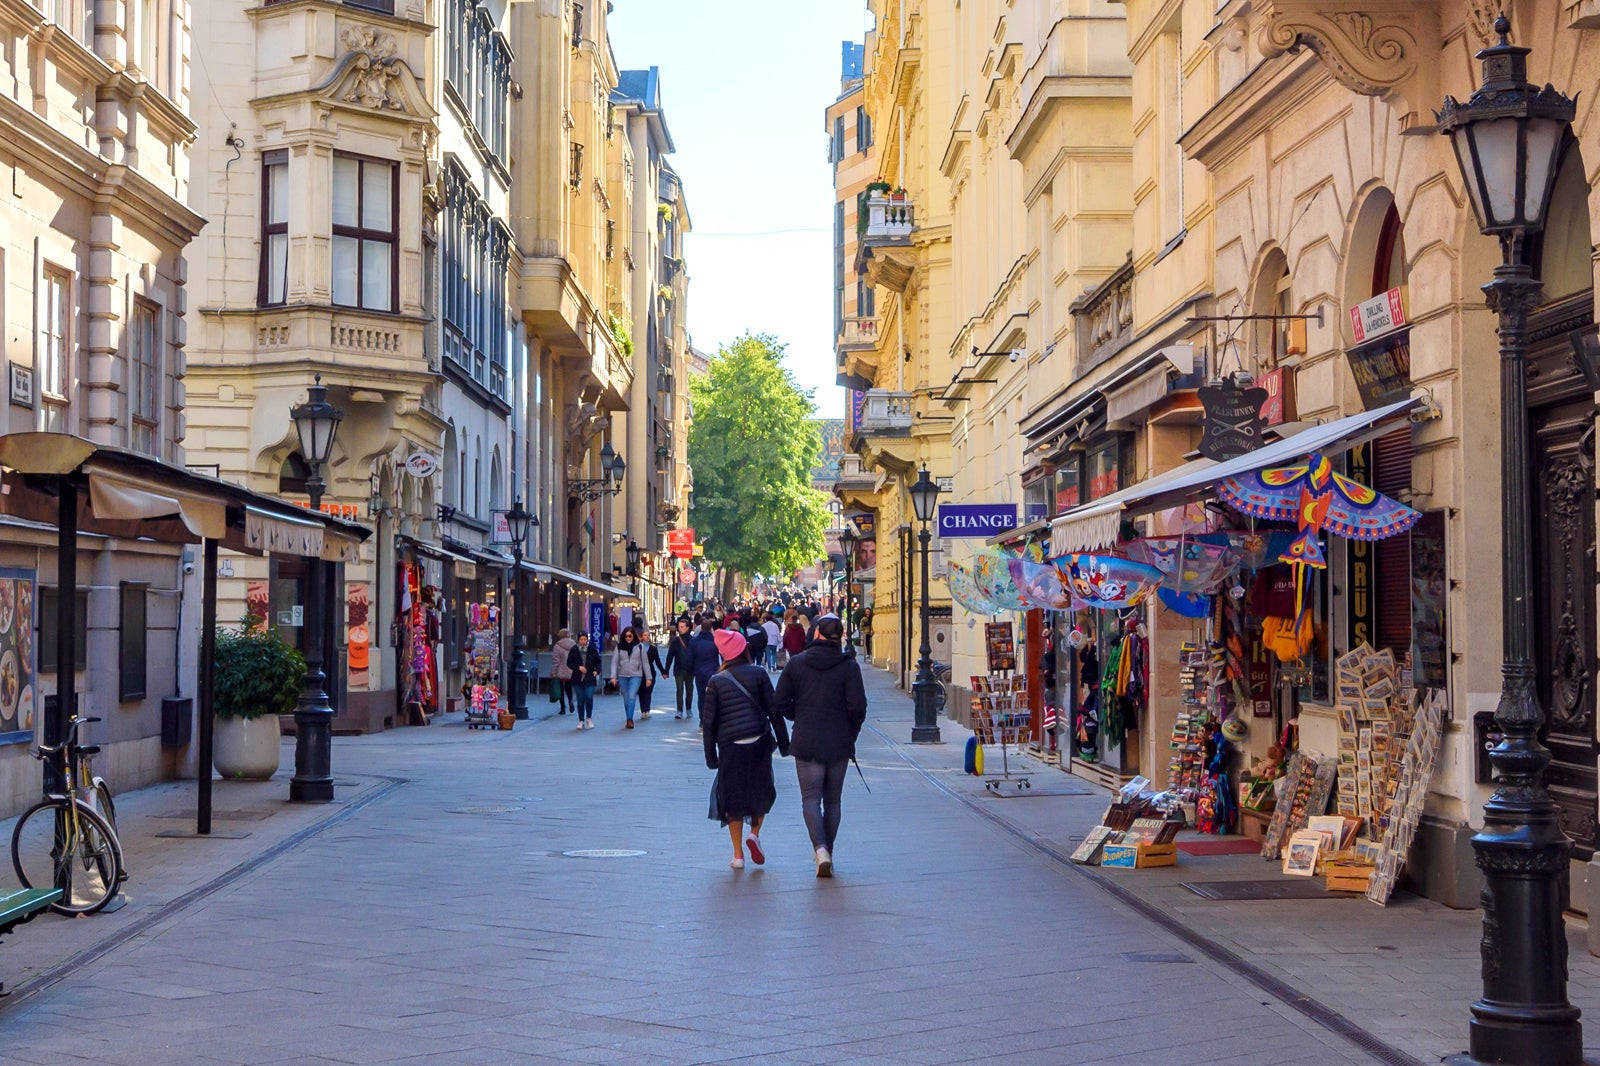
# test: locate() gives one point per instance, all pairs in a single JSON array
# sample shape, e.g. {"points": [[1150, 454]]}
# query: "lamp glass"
{"points": [[848, 538], [1497, 156], [1544, 136], [517, 519], [607, 453], [315, 422], [1461, 140], [618, 468], [924, 494]]}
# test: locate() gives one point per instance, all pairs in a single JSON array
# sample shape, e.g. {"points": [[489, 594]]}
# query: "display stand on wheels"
{"points": [[1001, 713], [483, 666]]}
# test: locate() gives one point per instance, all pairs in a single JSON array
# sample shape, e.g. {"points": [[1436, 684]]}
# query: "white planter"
{"points": [[247, 748]]}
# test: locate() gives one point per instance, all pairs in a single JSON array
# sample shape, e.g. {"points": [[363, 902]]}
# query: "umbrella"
{"points": [[1108, 581]]}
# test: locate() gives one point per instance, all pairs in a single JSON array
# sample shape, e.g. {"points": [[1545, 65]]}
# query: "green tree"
{"points": [[753, 445]]}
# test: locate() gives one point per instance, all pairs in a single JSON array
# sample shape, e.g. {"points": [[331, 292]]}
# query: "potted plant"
{"points": [[258, 677]]}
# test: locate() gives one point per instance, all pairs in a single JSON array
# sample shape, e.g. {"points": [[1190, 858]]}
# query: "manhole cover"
{"points": [[484, 808], [604, 853]]}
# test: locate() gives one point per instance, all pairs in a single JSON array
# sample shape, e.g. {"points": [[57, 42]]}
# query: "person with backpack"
{"points": [[742, 727], [584, 662], [821, 692], [680, 664], [559, 652], [628, 669]]}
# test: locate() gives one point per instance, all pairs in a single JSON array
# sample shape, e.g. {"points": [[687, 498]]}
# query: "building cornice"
{"points": [[1272, 89]]}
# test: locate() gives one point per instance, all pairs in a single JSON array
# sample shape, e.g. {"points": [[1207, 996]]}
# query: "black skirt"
{"points": [[744, 787]]}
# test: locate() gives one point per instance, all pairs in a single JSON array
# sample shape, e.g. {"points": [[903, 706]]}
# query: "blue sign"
{"points": [[597, 623], [1035, 512], [976, 519]]}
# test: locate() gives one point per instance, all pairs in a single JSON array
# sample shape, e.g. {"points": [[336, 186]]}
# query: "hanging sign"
{"points": [[1360, 598], [680, 542], [1279, 406], [1384, 313], [1232, 419], [976, 519], [500, 527], [597, 623], [421, 464], [1382, 369]]}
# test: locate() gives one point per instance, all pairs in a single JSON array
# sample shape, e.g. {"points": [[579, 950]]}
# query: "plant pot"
{"points": [[507, 720], [247, 749]]}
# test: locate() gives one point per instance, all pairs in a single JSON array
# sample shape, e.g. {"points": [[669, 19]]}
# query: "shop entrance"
{"points": [[1562, 420]]}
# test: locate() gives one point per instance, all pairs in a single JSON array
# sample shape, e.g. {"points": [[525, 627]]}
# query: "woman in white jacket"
{"points": [[628, 669]]}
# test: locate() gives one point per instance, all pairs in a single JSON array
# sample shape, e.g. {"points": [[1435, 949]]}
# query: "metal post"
{"points": [[926, 729], [1524, 1017], [313, 718], [208, 681], [66, 703], [907, 587], [519, 654], [849, 568]]}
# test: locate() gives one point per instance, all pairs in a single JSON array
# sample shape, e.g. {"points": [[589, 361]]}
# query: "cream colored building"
{"points": [[95, 307]]}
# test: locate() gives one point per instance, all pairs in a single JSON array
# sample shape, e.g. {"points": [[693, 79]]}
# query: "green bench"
{"points": [[18, 906]]}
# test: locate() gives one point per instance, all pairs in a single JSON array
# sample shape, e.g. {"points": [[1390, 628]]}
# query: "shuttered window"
{"points": [[1391, 475]]}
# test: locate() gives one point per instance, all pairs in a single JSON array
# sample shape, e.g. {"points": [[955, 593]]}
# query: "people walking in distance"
{"points": [[652, 658], [560, 651], [703, 649], [628, 669], [794, 636], [680, 664], [774, 632], [757, 638], [865, 628], [584, 662], [821, 692], [742, 727]]}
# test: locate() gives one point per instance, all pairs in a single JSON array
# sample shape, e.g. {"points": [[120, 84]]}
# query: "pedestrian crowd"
{"points": [[722, 660]]}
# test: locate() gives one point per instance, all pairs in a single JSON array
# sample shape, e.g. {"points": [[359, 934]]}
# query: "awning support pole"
{"points": [[66, 703], [313, 718], [208, 682]]}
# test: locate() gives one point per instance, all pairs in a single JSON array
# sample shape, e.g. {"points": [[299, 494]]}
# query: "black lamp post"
{"points": [[924, 496], [520, 521], [633, 552], [1508, 137], [847, 541], [316, 422]]}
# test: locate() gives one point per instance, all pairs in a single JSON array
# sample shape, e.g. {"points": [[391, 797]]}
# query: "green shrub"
{"points": [[256, 674]]}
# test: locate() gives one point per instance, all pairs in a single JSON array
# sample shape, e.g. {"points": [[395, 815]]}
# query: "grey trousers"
{"points": [[821, 786]]}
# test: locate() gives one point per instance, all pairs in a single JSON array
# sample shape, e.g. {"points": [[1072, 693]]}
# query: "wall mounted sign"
{"points": [[21, 383], [421, 464], [597, 623], [500, 527], [1382, 369], [680, 542], [1232, 419], [1360, 580], [1384, 313], [1279, 405], [975, 519]]}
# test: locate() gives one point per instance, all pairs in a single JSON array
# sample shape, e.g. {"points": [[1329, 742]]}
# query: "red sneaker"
{"points": [[753, 846]]}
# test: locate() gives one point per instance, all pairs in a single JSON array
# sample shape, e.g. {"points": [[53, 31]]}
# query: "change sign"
{"points": [[976, 519]]}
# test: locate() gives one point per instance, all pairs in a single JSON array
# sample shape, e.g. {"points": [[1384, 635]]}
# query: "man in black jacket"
{"points": [[680, 664], [821, 692]]}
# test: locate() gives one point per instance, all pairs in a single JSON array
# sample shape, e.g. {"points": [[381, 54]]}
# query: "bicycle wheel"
{"points": [[74, 851], [106, 806]]}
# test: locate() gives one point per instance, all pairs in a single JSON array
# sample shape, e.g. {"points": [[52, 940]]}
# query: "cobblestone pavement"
{"points": [[439, 921]]}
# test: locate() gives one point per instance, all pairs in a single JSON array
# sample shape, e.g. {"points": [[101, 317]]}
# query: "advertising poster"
{"points": [[18, 679], [597, 623], [358, 633]]}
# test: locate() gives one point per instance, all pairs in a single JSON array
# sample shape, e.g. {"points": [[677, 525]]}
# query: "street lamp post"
{"points": [[925, 730], [633, 552], [316, 422], [1508, 137], [520, 520], [847, 541]]}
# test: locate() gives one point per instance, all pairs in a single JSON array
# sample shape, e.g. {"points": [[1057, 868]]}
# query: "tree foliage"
{"points": [[753, 445]]}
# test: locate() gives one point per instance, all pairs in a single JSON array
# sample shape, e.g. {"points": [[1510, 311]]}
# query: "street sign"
{"points": [[680, 542], [1384, 313], [976, 519], [687, 575], [699, 550]]}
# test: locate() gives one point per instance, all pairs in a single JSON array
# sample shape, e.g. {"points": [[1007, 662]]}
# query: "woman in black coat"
{"points": [[741, 727], [822, 694]]}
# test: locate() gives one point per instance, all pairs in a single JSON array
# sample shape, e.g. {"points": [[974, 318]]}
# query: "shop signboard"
{"points": [[597, 623], [1361, 601], [500, 527], [1428, 587], [19, 689], [1232, 419], [1384, 313], [1279, 405], [975, 519], [1035, 512], [422, 464], [680, 542], [358, 633], [1382, 369]]}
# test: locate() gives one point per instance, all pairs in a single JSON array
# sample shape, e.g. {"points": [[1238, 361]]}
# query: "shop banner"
{"points": [[680, 542], [1384, 313], [975, 519], [597, 623], [358, 634], [866, 524], [1382, 369], [18, 678]]}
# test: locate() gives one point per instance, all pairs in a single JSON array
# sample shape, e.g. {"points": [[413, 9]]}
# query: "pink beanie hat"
{"points": [[730, 644]]}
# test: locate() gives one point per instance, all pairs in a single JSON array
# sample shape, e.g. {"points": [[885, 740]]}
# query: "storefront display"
{"points": [[481, 661], [417, 628]]}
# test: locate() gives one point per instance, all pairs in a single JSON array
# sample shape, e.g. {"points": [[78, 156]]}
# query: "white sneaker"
{"points": [[580, 727], [736, 864], [824, 863]]}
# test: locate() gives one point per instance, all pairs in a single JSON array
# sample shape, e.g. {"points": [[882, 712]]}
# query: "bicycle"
{"points": [[63, 841]]}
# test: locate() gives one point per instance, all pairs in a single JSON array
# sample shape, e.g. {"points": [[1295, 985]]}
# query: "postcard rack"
{"points": [[1000, 715]]}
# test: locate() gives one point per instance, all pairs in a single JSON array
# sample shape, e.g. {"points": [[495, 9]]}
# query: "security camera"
{"points": [[1017, 353], [188, 568]]}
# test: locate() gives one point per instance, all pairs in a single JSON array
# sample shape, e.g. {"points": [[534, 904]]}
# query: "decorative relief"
{"points": [[1373, 47], [377, 69]]}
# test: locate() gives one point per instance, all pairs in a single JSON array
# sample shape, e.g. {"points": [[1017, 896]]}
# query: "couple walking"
{"points": [[745, 720]]}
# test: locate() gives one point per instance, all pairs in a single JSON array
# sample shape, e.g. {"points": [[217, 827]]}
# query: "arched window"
{"points": [[497, 497], [292, 475], [1274, 340], [452, 465]]}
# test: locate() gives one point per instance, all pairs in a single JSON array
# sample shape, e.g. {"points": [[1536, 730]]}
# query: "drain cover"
{"points": [[1155, 956], [604, 853], [484, 808]]}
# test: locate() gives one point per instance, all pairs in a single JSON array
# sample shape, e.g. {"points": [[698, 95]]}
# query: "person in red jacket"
{"points": [[794, 634]]}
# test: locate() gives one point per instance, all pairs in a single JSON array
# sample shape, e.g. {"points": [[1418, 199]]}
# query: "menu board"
{"points": [[18, 676], [1001, 645], [1430, 655]]}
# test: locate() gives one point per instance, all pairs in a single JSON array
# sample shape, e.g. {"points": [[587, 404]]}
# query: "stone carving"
{"points": [[1373, 47], [376, 70]]}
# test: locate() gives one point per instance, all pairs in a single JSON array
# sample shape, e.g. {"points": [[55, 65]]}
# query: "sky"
{"points": [[744, 84]]}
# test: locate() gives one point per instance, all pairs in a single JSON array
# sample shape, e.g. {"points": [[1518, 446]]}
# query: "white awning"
{"points": [[279, 534], [555, 573], [1095, 525]]}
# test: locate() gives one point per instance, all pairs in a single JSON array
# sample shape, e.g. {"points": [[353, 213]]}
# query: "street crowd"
{"points": [[722, 660]]}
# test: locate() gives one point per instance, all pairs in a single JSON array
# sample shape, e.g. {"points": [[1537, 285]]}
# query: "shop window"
{"points": [[131, 642], [49, 604], [1068, 485], [1105, 469]]}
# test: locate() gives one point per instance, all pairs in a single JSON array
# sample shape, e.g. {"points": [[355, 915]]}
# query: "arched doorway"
{"points": [[1561, 411]]}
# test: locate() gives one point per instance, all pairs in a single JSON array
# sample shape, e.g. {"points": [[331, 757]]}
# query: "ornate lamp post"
{"points": [[1508, 138], [847, 541], [924, 496], [316, 422], [633, 553], [520, 521]]}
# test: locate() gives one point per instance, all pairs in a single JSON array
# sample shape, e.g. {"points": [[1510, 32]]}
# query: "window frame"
{"points": [[361, 234], [45, 610], [55, 349], [269, 160], [144, 370], [133, 658]]}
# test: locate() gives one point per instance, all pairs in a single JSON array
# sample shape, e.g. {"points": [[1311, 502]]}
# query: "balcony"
{"points": [[1104, 318], [885, 413], [857, 334], [887, 255]]}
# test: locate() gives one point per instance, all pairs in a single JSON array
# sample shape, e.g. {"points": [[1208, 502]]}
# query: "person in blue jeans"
{"points": [[584, 661], [705, 657], [629, 667]]}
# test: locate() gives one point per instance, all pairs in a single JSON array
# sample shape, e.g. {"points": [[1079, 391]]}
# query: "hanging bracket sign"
{"points": [[1232, 419], [421, 464]]}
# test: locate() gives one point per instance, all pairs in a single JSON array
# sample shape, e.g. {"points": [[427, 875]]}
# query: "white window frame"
{"points": [[56, 322], [144, 369]]}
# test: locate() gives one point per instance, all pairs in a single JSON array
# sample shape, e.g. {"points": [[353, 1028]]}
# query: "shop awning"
{"points": [[1096, 524], [1023, 532], [555, 573]]}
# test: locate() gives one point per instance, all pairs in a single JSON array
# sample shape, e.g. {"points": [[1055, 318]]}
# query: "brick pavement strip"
{"points": [[412, 934]]}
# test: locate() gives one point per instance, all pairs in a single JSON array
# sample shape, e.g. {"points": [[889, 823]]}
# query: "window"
{"points": [[364, 224], [611, 239], [863, 130], [131, 647], [144, 376], [274, 284], [55, 350], [49, 604], [836, 151], [838, 267], [575, 166], [1170, 170], [76, 17], [477, 252]]}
